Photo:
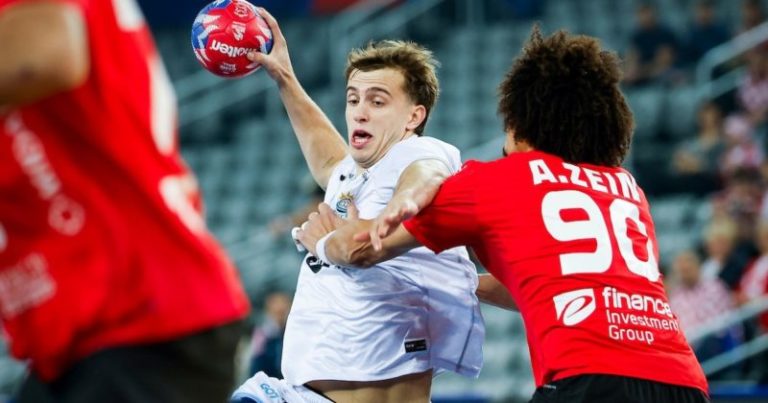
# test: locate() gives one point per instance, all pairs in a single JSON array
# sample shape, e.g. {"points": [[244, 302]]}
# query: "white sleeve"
{"points": [[407, 152]]}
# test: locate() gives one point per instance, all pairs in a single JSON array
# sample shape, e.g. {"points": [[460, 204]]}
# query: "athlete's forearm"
{"points": [[44, 51], [421, 181], [320, 142], [415, 189], [492, 292], [342, 248]]}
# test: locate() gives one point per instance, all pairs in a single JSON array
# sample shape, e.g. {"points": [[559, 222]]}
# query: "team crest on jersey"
{"points": [[342, 206]]}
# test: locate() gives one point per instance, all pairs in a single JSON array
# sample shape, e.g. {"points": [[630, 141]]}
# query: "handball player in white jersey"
{"points": [[374, 335]]}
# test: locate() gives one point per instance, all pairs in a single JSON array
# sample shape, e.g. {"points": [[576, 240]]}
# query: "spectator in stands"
{"points": [[719, 240], [754, 285], [743, 151], [697, 299], [752, 15], [752, 94], [705, 32], [754, 282], [735, 210], [653, 50], [696, 162], [267, 340]]}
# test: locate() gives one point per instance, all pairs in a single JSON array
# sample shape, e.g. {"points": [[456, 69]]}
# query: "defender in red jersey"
{"points": [[110, 284], [565, 232]]}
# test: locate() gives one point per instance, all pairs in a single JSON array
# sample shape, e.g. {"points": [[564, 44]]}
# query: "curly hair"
{"points": [[414, 61], [562, 97]]}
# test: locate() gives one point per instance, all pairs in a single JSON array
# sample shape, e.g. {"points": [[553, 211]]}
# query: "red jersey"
{"points": [[101, 238], [576, 248]]}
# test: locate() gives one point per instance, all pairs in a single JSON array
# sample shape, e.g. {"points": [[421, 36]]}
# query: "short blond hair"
{"points": [[415, 62]]}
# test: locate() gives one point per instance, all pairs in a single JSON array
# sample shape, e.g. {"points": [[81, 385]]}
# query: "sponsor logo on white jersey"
{"points": [[575, 306]]}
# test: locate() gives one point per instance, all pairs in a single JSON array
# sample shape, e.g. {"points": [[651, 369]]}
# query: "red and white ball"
{"points": [[224, 32]]}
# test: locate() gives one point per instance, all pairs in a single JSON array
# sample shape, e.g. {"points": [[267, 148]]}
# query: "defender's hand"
{"points": [[398, 210]]}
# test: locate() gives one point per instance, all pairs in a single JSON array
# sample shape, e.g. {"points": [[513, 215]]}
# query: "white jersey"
{"points": [[407, 315]]}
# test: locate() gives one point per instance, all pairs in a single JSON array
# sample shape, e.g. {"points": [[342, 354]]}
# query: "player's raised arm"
{"points": [[320, 142], [45, 51]]}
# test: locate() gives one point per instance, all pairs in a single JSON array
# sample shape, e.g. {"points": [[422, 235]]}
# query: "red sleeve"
{"points": [[451, 220]]}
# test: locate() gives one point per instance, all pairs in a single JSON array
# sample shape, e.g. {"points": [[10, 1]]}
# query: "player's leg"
{"points": [[413, 388], [610, 389], [197, 368]]}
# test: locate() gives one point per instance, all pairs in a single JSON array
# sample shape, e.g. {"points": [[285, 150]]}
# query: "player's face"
{"points": [[379, 114]]}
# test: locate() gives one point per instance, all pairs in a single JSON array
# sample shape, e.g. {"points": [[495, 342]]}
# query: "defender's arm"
{"points": [[357, 243], [415, 189], [492, 292], [44, 51]]}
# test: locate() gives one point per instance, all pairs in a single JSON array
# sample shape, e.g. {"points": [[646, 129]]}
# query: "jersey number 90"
{"points": [[595, 227]]}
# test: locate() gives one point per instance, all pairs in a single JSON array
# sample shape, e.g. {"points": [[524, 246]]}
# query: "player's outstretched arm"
{"points": [[344, 250], [320, 142], [44, 51], [492, 292], [415, 189]]}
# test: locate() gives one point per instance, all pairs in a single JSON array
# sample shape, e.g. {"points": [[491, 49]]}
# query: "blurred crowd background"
{"points": [[696, 77]]}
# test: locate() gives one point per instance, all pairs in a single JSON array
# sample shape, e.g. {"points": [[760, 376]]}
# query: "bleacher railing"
{"points": [[724, 322], [713, 87]]}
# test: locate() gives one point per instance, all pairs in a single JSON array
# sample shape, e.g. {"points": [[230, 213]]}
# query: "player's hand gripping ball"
{"points": [[224, 32]]}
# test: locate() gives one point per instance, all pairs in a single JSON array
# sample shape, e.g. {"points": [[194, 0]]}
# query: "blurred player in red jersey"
{"points": [[110, 284], [562, 228]]}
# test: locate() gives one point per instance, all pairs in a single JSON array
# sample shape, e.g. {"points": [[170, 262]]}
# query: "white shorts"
{"points": [[263, 389]]}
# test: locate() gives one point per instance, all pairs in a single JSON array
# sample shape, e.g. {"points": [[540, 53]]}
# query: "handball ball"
{"points": [[224, 32]]}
